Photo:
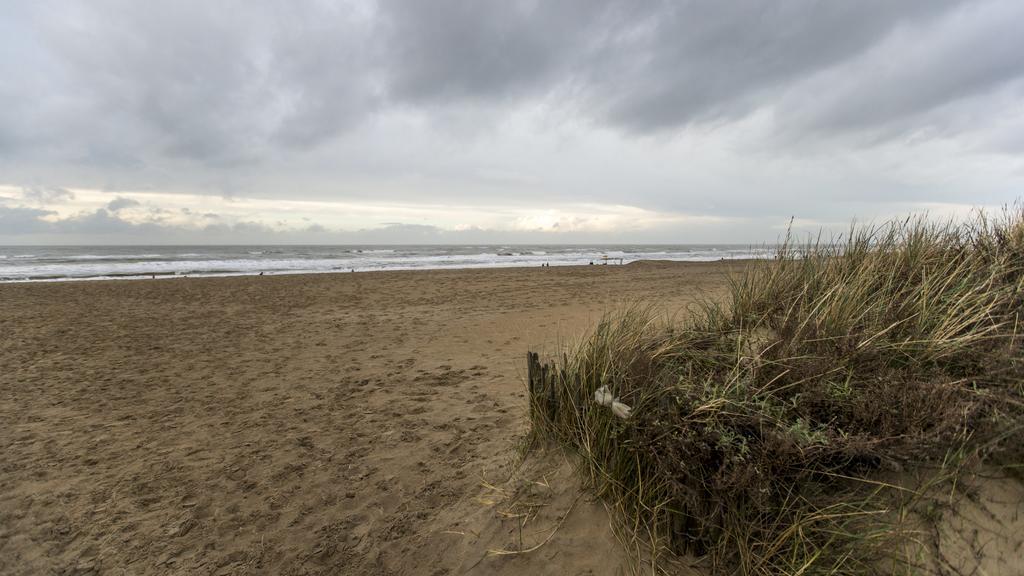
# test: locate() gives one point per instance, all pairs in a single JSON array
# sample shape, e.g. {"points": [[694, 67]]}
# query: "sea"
{"points": [[64, 263]]}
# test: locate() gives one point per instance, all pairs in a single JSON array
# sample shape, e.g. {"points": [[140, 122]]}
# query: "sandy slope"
{"points": [[344, 424]]}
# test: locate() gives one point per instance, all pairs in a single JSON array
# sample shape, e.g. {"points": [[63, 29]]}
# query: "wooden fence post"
{"points": [[550, 380], [543, 387], [529, 382]]}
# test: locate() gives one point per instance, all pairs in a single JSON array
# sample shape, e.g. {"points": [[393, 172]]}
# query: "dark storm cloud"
{"points": [[708, 61], [153, 74], [322, 68], [453, 49], [114, 81], [646, 66], [641, 65]]}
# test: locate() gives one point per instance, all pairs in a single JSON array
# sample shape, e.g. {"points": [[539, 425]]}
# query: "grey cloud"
{"points": [[655, 66], [103, 225], [120, 203], [26, 225], [99, 222], [21, 220], [129, 83], [708, 61], [210, 82], [482, 50], [46, 194], [322, 69], [970, 53], [372, 99]]}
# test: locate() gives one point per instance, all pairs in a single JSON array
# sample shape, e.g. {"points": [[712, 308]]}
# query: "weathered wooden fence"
{"points": [[543, 387]]}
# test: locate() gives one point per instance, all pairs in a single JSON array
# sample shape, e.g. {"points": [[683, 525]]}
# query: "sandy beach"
{"points": [[365, 423]]}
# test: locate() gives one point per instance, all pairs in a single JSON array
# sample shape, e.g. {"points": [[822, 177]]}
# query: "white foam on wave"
{"points": [[286, 261], [110, 256]]}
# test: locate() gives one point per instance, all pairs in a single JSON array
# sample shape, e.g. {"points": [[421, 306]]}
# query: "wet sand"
{"points": [[363, 423]]}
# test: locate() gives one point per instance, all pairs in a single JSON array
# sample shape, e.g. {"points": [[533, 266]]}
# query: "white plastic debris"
{"points": [[604, 398], [621, 410]]}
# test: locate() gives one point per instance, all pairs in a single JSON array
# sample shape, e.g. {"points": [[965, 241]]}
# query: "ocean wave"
{"points": [[222, 261]]}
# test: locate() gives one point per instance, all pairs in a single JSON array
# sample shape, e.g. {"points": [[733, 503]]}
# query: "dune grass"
{"points": [[768, 430]]}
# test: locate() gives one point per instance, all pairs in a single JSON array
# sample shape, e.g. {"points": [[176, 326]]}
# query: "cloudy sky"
{"points": [[473, 121]]}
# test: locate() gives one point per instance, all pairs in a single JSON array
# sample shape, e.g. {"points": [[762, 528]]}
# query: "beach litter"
{"points": [[604, 397]]}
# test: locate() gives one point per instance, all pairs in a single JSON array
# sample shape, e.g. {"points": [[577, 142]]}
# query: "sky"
{"points": [[568, 121]]}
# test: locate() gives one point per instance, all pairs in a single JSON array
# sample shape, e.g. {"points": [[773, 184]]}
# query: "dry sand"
{"points": [[360, 423]]}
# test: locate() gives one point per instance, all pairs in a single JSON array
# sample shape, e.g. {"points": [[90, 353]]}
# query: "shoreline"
{"points": [[174, 275]]}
